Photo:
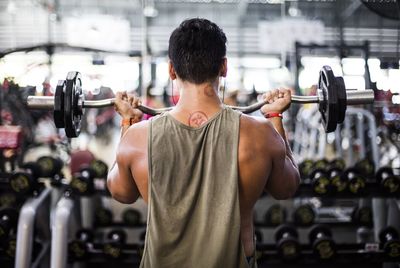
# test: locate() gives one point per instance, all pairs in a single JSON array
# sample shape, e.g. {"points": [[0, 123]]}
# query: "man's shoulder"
{"points": [[136, 135], [256, 125]]}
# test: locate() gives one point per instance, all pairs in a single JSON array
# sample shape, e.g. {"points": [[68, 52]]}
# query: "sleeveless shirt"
{"points": [[193, 206]]}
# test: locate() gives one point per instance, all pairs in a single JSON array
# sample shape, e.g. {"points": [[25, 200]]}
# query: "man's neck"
{"points": [[197, 103], [194, 97]]}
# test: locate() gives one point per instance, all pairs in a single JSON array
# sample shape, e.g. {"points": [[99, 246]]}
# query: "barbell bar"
{"points": [[68, 103]]}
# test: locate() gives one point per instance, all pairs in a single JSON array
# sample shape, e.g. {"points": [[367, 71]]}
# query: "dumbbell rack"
{"points": [[34, 213]]}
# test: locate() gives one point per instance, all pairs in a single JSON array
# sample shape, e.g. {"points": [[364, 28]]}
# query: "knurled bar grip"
{"points": [[354, 97]]}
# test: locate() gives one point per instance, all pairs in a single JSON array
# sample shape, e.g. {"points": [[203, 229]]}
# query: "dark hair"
{"points": [[197, 49]]}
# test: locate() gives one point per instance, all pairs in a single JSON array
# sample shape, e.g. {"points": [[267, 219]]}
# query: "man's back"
{"points": [[255, 150]]}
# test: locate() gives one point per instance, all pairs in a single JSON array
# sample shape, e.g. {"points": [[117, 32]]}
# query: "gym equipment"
{"points": [[337, 182], [26, 181], [321, 164], [337, 163], [69, 103], [306, 168], [112, 249], [78, 248], [275, 215], [103, 217], [287, 242], [82, 183], [321, 184], [389, 182], [8, 221], [304, 215], [356, 182], [362, 216], [100, 169], [49, 166], [132, 217], [365, 167], [324, 248], [389, 237]]}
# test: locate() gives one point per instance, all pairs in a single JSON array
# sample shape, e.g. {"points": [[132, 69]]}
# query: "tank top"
{"points": [[193, 215]]}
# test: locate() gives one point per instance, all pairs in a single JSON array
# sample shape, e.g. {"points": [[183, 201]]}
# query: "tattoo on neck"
{"points": [[209, 92], [197, 119]]}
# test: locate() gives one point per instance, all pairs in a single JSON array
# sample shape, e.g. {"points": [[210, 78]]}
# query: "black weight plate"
{"points": [[319, 229], [22, 183], [100, 168], [342, 99], [49, 166], [338, 163], [72, 106], [328, 105], [285, 229], [366, 167], [275, 215], [103, 217], [304, 215], [131, 217], [85, 235], [389, 230], [58, 112]]}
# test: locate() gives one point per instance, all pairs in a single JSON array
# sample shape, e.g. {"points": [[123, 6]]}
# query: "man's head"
{"points": [[197, 50]]}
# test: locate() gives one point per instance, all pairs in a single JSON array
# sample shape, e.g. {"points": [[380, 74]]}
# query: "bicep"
{"points": [[283, 179]]}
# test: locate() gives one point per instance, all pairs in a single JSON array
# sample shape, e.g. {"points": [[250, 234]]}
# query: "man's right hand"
{"points": [[277, 100], [126, 105]]}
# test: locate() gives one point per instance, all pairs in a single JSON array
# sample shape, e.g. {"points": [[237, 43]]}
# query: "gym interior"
{"points": [[62, 63]]}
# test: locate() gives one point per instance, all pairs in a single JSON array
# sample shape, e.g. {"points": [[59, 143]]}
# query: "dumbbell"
{"points": [[8, 222], [275, 215], [49, 166], [24, 182], [362, 216], [305, 168], [103, 217], [114, 245], [10, 248], [82, 182], [320, 237], [78, 249], [356, 182], [337, 181], [320, 182], [100, 168], [286, 238], [8, 199], [304, 215], [132, 217], [388, 181], [389, 237], [338, 163], [365, 167], [321, 164]]}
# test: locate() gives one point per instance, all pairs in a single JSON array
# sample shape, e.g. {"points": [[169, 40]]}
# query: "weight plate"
{"points": [[131, 217], [328, 103], [285, 229], [289, 249], [392, 249], [73, 99], [305, 168], [338, 163], [390, 230], [77, 250], [321, 164], [275, 215], [22, 183], [304, 215], [319, 229], [100, 168], [342, 99], [49, 166], [338, 182], [324, 248], [362, 216], [58, 112], [85, 235], [103, 217], [366, 167]]}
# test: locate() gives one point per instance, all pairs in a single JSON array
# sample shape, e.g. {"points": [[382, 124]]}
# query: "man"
{"points": [[202, 166]]}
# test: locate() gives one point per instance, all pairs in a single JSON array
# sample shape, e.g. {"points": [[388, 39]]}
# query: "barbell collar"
{"points": [[354, 97]]}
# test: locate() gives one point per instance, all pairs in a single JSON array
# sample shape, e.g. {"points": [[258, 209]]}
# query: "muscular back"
{"points": [[261, 156]]}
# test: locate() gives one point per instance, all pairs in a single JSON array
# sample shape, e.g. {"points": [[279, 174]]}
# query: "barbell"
{"points": [[68, 103]]}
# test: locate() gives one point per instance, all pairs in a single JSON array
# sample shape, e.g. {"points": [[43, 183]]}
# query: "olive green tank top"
{"points": [[193, 215]]}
